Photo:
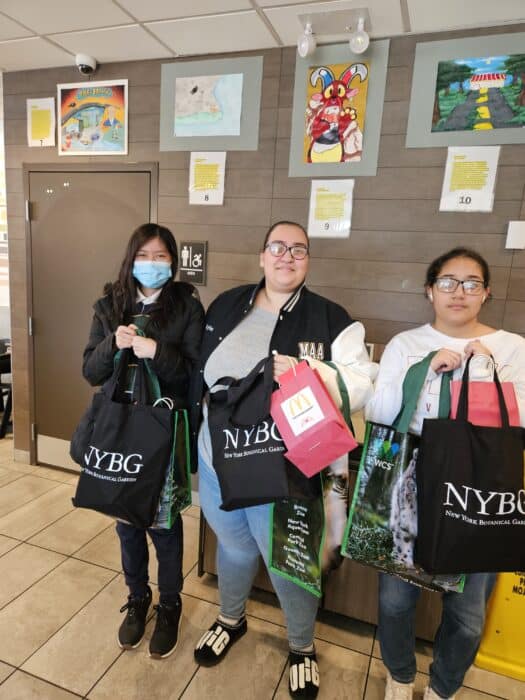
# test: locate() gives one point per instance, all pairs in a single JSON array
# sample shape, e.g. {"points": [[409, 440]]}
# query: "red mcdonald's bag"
{"points": [[483, 406], [312, 427]]}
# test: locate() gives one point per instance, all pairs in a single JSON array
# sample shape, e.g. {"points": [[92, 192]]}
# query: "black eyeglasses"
{"points": [[279, 248], [450, 284]]}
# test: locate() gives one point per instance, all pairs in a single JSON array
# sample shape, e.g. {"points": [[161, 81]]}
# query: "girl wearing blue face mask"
{"points": [[146, 297]]}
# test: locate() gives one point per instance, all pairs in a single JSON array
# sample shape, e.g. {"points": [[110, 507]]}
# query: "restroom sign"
{"points": [[193, 261]]}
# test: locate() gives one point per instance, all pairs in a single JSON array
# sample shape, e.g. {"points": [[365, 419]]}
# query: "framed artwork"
{"points": [[337, 111], [211, 105], [468, 92], [93, 118]]}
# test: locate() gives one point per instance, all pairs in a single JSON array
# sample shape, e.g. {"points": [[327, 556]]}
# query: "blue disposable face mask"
{"points": [[151, 274]]}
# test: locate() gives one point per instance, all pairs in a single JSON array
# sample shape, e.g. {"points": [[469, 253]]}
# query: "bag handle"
{"points": [[232, 396], [412, 386], [122, 361], [462, 412], [345, 398]]}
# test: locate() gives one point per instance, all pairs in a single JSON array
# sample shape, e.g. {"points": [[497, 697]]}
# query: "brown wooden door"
{"points": [[80, 223]]}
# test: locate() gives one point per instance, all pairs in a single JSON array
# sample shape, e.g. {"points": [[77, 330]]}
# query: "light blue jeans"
{"points": [[457, 639], [242, 536]]}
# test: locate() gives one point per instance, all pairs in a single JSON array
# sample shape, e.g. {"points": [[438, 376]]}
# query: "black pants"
{"points": [[135, 557]]}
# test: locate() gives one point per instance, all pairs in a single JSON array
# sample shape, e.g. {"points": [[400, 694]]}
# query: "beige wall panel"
{"points": [[395, 117], [519, 257], [398, 82], [402, 52], [243, 268], [421, 215], [380, 331], [144, 99], [270, 93], [13, 180], [16, 132], [514, 318], [286, 91], [234, 211], [405, 246], [517, 284], [144, 127], [238, 239], [284, 125], [268, 123]]}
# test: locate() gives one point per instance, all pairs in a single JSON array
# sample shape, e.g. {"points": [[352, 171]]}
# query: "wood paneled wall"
{"points": [[396, 230]]}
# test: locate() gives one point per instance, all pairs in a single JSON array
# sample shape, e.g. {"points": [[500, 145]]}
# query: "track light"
{"points": [[306, 43], [359, 40]]}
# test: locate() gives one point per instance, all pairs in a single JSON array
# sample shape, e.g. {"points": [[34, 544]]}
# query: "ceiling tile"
{"points": [[240, 31], [279, 3], [167, 9], [385, 16], [45, 16], [129, 43], [450, 14], [25, 54], [12, 30]]}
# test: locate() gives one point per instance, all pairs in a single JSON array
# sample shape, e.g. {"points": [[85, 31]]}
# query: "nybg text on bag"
{"points": [[126, 449], [248, 450], [471, 497]]}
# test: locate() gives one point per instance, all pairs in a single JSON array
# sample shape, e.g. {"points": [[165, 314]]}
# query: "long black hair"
{"points": [[123, 292]]}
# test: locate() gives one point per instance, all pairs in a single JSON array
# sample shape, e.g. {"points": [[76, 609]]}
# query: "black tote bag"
{"points": [[124, 449], [471, 498], [248, 451]]}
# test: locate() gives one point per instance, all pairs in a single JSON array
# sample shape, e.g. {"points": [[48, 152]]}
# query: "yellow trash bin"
{"points": [[502, 648]]}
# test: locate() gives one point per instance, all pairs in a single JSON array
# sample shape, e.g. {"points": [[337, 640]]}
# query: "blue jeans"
{"points": [[457, 639], [135, 558], [243, 535]]}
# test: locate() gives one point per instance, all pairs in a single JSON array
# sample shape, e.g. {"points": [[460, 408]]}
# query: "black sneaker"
{"points": [[303, 681], [131, 631], [164, 639], [214, 644]]}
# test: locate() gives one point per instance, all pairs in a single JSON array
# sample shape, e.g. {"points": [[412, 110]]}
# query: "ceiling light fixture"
{"points": [[306, 43], [359, 40]]}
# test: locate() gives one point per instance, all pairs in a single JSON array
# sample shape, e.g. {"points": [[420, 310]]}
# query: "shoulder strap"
{"points": [[345, 399], [412, 386]]}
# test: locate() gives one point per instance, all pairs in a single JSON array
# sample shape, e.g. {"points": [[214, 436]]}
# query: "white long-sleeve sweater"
{"points": [[409, 347]]}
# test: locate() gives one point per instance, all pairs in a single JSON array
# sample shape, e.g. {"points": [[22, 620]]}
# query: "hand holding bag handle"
{"points": [[246, 413], [412, 386]]}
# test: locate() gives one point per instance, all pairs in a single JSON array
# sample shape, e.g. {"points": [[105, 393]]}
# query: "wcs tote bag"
{"points": [[382, 526], [124, 449], [471, 497]]}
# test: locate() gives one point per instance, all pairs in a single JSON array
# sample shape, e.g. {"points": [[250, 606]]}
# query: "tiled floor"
{"points": [[61, 590]]}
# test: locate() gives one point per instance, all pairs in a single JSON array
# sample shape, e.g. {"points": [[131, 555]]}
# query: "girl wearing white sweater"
{"points": [[457, 285]]}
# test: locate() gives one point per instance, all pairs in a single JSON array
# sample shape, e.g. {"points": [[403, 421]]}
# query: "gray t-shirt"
{"points": [[235, 357]]}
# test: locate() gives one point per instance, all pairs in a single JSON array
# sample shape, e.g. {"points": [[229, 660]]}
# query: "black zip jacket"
{"points": [[306, 327], [178, 343]]}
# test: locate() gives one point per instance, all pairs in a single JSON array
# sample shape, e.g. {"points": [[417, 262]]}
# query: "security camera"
{"points": [[86, 64]]}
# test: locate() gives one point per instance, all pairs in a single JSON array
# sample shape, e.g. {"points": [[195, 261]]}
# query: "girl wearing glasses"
{"points": [[278, 316], [457, 286]]}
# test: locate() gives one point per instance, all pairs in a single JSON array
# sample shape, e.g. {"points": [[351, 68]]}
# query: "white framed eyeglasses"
{"points": [[450, 284]]}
